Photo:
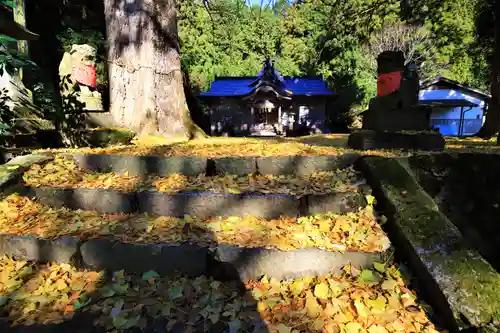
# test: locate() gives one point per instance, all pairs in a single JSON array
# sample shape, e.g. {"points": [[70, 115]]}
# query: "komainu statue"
{"points": [[77, 74]]}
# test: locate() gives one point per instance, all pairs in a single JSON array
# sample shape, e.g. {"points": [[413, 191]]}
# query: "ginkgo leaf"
{"points": [[379, 267], [361, 308], [377, 305], [280, 328], [377, 329], [119, 322], [237, 147], [286, 306], [312, 306], [150, 276], [389, 284], [322, 291], [61, 285], [368, 276], [370, 199], [353, 328], [284, 233], [64, 172]]}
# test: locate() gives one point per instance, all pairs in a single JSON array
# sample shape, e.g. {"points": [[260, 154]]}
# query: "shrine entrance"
{"points": [[266, 118]]}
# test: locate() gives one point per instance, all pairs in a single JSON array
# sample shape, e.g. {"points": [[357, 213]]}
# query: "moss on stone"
{"points": [[103, 137], [428, 229], [469, 283], [398, 182], [19, 164]]}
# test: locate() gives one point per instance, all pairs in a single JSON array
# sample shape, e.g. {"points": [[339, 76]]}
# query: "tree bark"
{"points": [[492, 122], [145, 78]]}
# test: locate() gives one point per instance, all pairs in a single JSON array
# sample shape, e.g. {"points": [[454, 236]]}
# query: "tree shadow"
{"points": [[464, 187], [140, 258], [329, 140], [227, 271]]}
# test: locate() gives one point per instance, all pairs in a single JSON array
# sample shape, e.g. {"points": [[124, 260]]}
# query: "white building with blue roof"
{"points": [[458, 109]]}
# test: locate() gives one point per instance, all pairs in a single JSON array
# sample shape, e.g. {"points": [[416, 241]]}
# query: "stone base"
{"points": [[368, 139]]}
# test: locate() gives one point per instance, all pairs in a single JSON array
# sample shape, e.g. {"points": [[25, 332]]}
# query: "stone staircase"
{"points": [[81, 215], [247, 262]]}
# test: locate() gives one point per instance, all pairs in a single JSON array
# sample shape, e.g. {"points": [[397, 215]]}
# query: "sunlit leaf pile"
{"points": [[64, 172], [317, 145], [367, 301], [22, 216], [216, 147], [329, 144], [42, 294]]}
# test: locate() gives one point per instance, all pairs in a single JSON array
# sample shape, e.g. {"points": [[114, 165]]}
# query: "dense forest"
{"points": [[336, 39]]}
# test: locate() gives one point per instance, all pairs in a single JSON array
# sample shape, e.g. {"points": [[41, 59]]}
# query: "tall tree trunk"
{"points": [[145, 78], [492, 122]]}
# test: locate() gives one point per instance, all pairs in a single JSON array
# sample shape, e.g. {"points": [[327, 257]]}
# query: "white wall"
{"points": [[450, 114]]}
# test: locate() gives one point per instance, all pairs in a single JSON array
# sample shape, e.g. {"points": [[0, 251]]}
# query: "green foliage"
{"points": [[329, 38], [308, 37], [3, 38], [69, 37], [12, 60], [311, 37], [232, 39], [453, 25]]}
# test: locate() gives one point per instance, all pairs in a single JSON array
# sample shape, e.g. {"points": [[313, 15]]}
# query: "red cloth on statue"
{"points": [[85, 74], [388, 83]]}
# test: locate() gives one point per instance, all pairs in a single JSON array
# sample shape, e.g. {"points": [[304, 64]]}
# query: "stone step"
{"points": [[224, 261], [195, 165], [230, 247], [200, 204]]}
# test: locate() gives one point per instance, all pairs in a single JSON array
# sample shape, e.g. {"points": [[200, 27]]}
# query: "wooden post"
{"points": [[20, 18], [460, 124], [280, 123]]}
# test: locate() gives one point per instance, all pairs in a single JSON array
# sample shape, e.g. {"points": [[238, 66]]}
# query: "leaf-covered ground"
{"points": [[328, 144], [64, 172], [360, 231], [43, 294], [367, 301]]}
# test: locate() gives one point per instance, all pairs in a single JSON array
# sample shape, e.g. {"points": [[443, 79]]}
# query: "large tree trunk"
{"points": [[145, 78], [492, 122]]}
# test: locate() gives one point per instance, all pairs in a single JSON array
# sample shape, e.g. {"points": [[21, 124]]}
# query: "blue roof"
{"points": [[238, 86]]}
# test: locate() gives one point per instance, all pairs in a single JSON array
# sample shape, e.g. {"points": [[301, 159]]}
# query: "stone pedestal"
{"points": [[370, 140], [396, 120]]}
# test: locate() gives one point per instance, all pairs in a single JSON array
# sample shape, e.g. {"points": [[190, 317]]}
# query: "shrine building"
{"points": [[268, 104]]}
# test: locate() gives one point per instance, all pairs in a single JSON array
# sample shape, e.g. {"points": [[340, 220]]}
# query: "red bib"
{"points": [[85, 74], [388, 83]]}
